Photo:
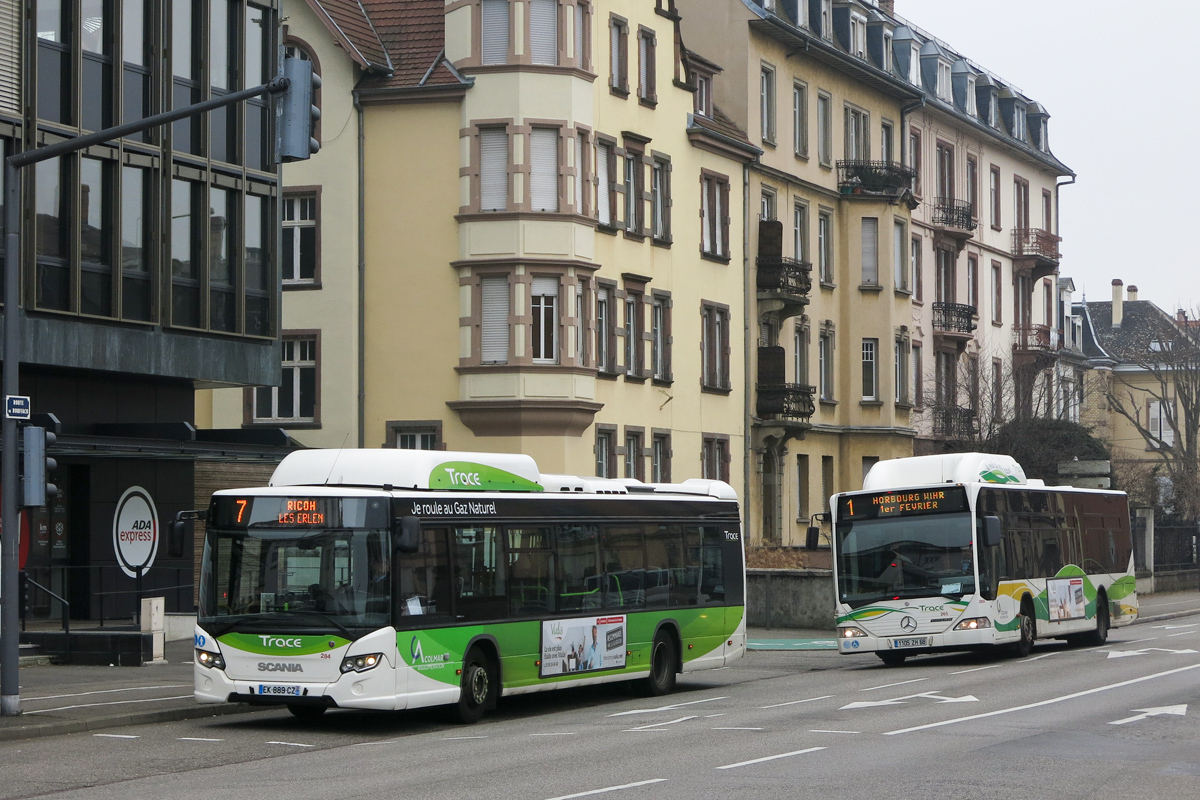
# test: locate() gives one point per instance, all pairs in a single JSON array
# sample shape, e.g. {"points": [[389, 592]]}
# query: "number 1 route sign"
{"points": [[16, 406]]}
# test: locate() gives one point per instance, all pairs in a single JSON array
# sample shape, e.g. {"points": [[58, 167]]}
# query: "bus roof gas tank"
{"points": [[949, 468], [391, 468]]}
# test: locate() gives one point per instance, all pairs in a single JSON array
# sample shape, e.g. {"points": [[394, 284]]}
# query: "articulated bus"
{"points": [[398, 579], [962, 552]]}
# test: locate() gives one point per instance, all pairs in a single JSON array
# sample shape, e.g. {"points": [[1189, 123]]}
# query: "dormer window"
{"points": [[858, 36], [826, 19], [994, 112], [914, 65], [943, 81], [704, 86], [971, 109], [887, 52], [1018, 128]]}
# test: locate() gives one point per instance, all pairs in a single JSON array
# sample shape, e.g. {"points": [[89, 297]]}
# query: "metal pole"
{"points": [[10, 638]]}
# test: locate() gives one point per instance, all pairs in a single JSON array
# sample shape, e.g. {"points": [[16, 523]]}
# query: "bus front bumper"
{"points": [[373, 689], [917, 643]]}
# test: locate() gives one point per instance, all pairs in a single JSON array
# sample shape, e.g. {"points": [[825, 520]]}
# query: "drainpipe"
{"points": [[748, 322], [362, 276]]}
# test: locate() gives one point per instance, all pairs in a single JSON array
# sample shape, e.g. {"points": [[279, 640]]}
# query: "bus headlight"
{"points": [[211, 660], [973, 624], [852, 633], [361, 663]]}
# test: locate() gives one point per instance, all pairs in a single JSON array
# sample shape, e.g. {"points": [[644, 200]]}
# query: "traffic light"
{"points": [[39, 467], [295, 113]]}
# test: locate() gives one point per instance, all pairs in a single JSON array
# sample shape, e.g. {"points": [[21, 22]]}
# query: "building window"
{"points": [[96, 40], [493, 169], [915, 258], [660, 337], [825, 129], [618, 40], [766, 98], [185, 253], [994, 196], [997, 388], [634, 328], [703, 101], [870, 369], [222, 296], [300, 240], [825, 363], [825, 247], [415, 435], [914, 158], [800, 119], [52, 222], [660, 200], [943, 81], [858, 126], [635, 461], [606, 332], [802, 490], [95, 237], [714, 202], [295, 398], [946, 287], [260, 66], [136, 302], [900, 374], [606, 451], [660, 457], [945, 171], [800, 352], [918, 367], [606, 188], [800, 231], [494, 28], [945, 379], [493, 327], [1047, 215], [858, 36], [260, 282], [185, 68], [766, 211], [634, 183], [870, 251], [714, 346], [887, 142], [714, 457], [543, 31], [899, 262], [543, 169], [973, 283], [583, 39], [973, 185], [544, 311], [647, 84], [582, 150], [997, 292]]}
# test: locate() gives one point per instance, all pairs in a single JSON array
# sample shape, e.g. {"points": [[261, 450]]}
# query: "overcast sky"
{"points": [[1118, 80]]}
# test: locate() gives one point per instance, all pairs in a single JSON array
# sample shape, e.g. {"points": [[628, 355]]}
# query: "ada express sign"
{"points": [[135, 531]]}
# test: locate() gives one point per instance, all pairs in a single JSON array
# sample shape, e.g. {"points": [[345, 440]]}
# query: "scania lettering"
{"points": [[962, 551], [392, 579]]}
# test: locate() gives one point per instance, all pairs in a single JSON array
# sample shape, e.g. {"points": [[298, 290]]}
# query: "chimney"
{"points": [[1181, 316], [888, 7], [1118, 310], [1132, 293]]}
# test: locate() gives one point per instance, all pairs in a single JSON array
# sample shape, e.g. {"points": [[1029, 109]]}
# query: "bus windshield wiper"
{"points": [[308, 612]]}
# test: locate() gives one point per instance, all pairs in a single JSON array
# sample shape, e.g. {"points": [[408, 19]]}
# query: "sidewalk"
{"points": [[74, 699]]}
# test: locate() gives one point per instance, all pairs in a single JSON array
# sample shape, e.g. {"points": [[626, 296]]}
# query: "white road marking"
{"points": [[665, 708], [457, 738], [114, 736], [1038, 658], [737, 729], [797, 702], [771, 758], [1147, 639], [709, 716], [967, 698], [608, 789], [197, 739], [110, 703], [1173, 627], [568, 733], [1144, 650], [292, 744], [974, 669], [888, 685], [1182, 633], [1051, 701], [659, 724], [109, 691], [1178, 711], [820, 731]]}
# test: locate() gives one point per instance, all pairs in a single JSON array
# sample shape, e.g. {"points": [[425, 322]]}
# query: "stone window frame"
{"points": [[568, 61], [396, 427]]}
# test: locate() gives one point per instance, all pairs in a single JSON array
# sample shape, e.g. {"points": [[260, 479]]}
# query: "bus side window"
{"points": [[530, 571], [712, 585], [424, 581], [479, 573], [578, 577]]}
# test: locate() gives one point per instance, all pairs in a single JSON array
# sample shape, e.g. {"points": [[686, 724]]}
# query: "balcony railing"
{"points": [[786, 275], [1037, 338], [786, 400], [1035, 242], [954, 213], [874, 176], [953, 422], [953, 318]]}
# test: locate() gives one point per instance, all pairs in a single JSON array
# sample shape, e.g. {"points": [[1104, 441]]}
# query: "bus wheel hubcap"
{"points": [[479, 685]]}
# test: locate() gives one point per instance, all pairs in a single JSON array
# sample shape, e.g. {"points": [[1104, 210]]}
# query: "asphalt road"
{"points": [[1112, 722]]}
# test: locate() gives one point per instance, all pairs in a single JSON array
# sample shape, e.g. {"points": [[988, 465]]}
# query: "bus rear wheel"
{"points": [[478, 687], [1100, 635], [662, 667]]}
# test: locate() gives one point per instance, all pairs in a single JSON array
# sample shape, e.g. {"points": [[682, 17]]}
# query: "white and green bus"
{"points": [[962, 552], [397, 579]]}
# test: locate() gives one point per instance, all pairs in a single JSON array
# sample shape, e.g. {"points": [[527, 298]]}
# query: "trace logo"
{"points": [[463, 478], [279, 641]]}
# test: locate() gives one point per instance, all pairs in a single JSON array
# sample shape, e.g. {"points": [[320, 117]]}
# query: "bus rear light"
{"points": [[361, 663], [852, 633], [973, 624]]}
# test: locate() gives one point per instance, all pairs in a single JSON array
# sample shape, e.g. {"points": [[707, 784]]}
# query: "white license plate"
{"points": [[911, 641], [286, 691]]}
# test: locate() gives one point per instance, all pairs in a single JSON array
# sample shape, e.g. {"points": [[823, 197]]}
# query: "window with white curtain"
{"points": [[493, 169], [543, 31], [494, 320], [543, 169], [494, 25]]}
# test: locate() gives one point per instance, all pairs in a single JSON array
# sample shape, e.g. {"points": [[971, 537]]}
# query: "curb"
{"points": [[37, 730]]}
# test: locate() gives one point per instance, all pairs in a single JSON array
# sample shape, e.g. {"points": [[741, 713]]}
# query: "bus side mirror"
{"points": [[175, 538], [991, 531], [812, 538], [410, 535]]}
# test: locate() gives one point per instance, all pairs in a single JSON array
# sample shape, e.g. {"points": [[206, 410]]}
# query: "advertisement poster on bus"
{"points": [[582, 645], [1065, 598]]}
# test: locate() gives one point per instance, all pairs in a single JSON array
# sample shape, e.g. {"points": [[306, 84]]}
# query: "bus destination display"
{"points": [[299, 512], [915, 502]]}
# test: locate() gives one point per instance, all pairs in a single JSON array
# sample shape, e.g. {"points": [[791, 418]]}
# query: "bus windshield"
{"points": [[317, 580], [888, 558]]}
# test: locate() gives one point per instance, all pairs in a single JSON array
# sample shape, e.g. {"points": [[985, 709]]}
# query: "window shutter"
{"points": [[494, 31], [543, 31], [603, 196], [614, 39], [493, 170], [10, 55], [718, 221], [494, 326], [579, 35], [643, 66], [545, 287], [706, 222], [543, 164], [579, 174], [870, 251]]}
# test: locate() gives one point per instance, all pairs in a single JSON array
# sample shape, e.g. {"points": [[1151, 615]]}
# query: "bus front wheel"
{"points": [[891, 659], [1024, 645], [662, 667], [478, 687], [306, 712]]}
